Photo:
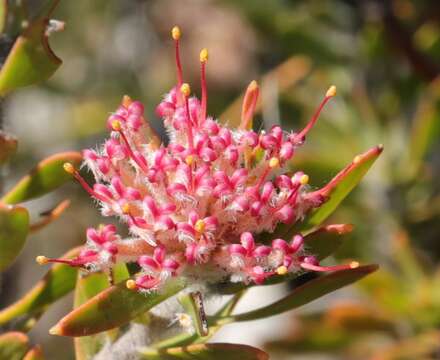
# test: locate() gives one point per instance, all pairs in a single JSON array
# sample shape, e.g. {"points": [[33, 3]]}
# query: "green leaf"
{"points": [[8, 146], [14, 228], [34, 354], [3, 14], [57, 282], [30, 60], [206, 351], [304, 294], [13, 346], [48, 175], [86, 288], [112, 308], [326, 240], [341, 185]]}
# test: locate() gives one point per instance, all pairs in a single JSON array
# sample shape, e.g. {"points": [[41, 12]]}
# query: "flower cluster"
{"points": [[196, 207]]}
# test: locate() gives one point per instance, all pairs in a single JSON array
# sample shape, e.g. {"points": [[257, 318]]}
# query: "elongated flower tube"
{"points": [[196, 206]]}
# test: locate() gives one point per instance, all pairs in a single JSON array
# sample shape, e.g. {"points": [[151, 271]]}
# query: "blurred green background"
{"points": [[384, 58]]}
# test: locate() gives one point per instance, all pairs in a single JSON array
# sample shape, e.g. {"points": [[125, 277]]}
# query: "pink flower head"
{"points": [[197, 205]]}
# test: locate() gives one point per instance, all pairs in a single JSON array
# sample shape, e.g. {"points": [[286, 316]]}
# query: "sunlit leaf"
{"points": [[112, 308], [57, 282], [305, 293], [13, 345], [86, 288], [30, 60], [48, 175], [14, 228], [341, 185], [206, 351]]}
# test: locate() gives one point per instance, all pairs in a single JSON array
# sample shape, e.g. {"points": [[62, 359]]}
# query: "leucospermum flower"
{"points": [[195, 207]]}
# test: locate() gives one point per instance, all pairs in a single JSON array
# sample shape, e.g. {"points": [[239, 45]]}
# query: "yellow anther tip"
{"points": [[304, 180], [41, 260], [175, 33], [204, 55], [274, 162], [189, 160], [126, 208], [185, 89], [116, 125], [331, 91], [200, 226], [282, 270], [357, 159], [354, 264], [69, 168], [131, 284]]}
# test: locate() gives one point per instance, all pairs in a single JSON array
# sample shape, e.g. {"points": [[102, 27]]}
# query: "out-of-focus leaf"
{"points": [[341, 185], [57, 282], [286, 75], [206, 351], [14, 228], [358, 317], [30, 60], [304, 294], [426, 126], [13, 346], [8, 146], [3, 14], [36, 353], [421, 346], [112, 308], [86, 288], [50, 216], [48, 175], [326, 240]]}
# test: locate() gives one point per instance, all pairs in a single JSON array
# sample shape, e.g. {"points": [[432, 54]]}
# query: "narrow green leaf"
{"points": [[212, 351], [13, 346], [36, 353], [8, 146], [48, 175], [341, 185], [304, 294], [57, 282], [3, 14], [86, 288], [14, 228], [30, 60], [112, 308]]}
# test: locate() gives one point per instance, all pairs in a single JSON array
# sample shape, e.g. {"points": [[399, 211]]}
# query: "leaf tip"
{"points": [[56, 330]]}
